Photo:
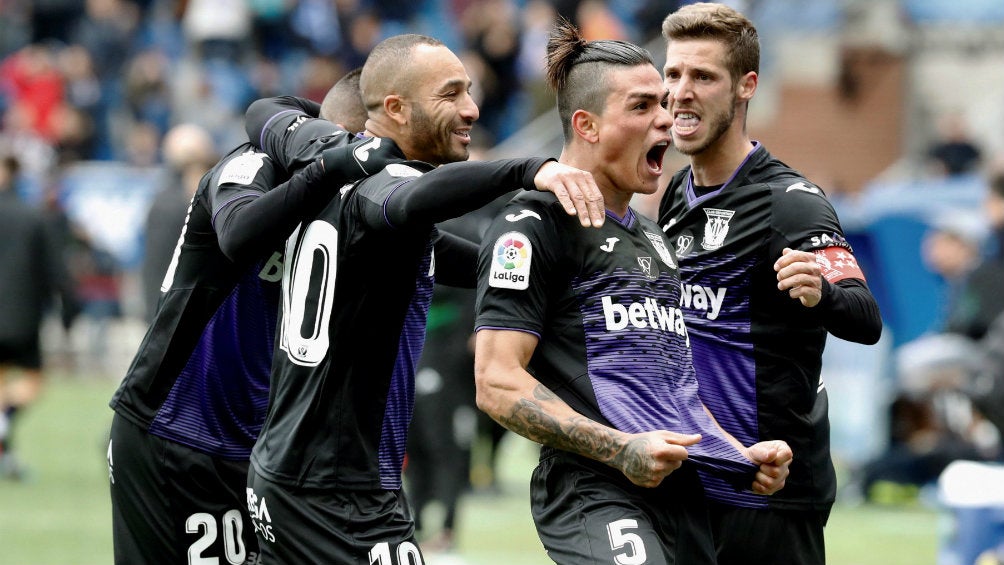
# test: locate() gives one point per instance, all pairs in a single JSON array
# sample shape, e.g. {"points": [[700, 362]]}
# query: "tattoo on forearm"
{"points": [[578, 434]]}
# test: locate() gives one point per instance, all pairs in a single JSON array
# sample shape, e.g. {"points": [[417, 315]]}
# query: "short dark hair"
{"points": [[708, 20], [386, 67], [576, 69], [343, 104]]}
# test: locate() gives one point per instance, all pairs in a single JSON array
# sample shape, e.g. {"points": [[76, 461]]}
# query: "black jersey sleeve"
{"points": [[850, 312], [456, 260], [245, 225], [288, 130], [252, 208], [520, 263], [457, 188], [264, 111], [806, 220]]}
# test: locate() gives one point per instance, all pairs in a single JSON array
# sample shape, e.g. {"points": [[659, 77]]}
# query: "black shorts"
{"points": [[778, 537], [585, 515], [296, 525], [24, 353], [173, 504]]}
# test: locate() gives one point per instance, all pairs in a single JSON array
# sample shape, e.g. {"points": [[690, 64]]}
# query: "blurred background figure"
{"points": [[32, 273], [948, 404], [188, 152], [954, 151], [952, 249]]}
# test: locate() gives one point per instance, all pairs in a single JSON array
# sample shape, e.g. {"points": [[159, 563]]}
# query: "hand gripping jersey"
{"points": [[757, 351], [200, 377], [605, 304]]}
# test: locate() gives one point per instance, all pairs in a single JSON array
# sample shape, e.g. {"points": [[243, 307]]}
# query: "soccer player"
{"points": [[193, 400], [766, 274], [581, 344], [325, 478]]}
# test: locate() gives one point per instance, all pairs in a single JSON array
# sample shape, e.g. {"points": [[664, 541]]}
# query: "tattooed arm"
{"points": [[519, 402]]}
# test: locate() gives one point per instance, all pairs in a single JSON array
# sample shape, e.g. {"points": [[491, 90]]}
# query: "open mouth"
{"points": [[463, 134], [655, 155], [685, 122]]}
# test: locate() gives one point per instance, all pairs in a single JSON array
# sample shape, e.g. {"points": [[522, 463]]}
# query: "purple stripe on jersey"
{"points": [[642, 375], [241, 196], [261, 138], [692, 198], [531, 332], [723, 357], [722, 347], [627, 221], [217, 404], [391, 194], [401, 393]]}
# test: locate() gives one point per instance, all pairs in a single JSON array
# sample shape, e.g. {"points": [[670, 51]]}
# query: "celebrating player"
{"points": [[767, 273]]}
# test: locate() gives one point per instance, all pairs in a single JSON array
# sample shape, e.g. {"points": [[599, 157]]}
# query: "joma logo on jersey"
{"points": [[259, 516], [648, 314], [704, 298]]}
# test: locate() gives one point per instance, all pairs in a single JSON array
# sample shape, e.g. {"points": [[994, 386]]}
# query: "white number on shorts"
{"points": [[310, 261], [407, 554], [233, 543], [619, 539]]}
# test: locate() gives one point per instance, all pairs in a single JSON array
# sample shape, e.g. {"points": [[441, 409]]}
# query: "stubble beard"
{"points": [[427, 134], [719, 125]]}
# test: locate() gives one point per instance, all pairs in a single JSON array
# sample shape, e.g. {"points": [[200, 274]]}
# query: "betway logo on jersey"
{"points": [[647, 314], [697, 297]]}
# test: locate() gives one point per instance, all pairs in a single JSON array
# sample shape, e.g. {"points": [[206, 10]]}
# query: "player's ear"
{"points": [[747, 86], [584, 125], [396, 108]]}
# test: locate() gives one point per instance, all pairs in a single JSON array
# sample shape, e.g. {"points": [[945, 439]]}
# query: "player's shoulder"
{"points": [[785, 181], [528, 212], [244, 165], [540, 201], [394, 174]]}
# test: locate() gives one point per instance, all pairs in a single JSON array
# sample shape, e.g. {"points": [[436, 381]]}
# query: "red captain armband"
{"points": [[837, 264]]}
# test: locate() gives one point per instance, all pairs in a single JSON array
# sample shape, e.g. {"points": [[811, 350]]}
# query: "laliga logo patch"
{"points": [[511, 267], [716, 228]]}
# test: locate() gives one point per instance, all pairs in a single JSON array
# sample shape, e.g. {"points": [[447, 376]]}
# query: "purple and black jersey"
{"points": [[757, 352], [605, 304], [356, 289], [200, 377]]}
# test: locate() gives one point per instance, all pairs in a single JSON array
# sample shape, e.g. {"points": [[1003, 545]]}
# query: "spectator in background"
{"points": [[951, 249], [32, 272], [981, 297], [54, 19], [188, 153], [491, 32], [30, 80], [954, 152], [945, 374]]}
